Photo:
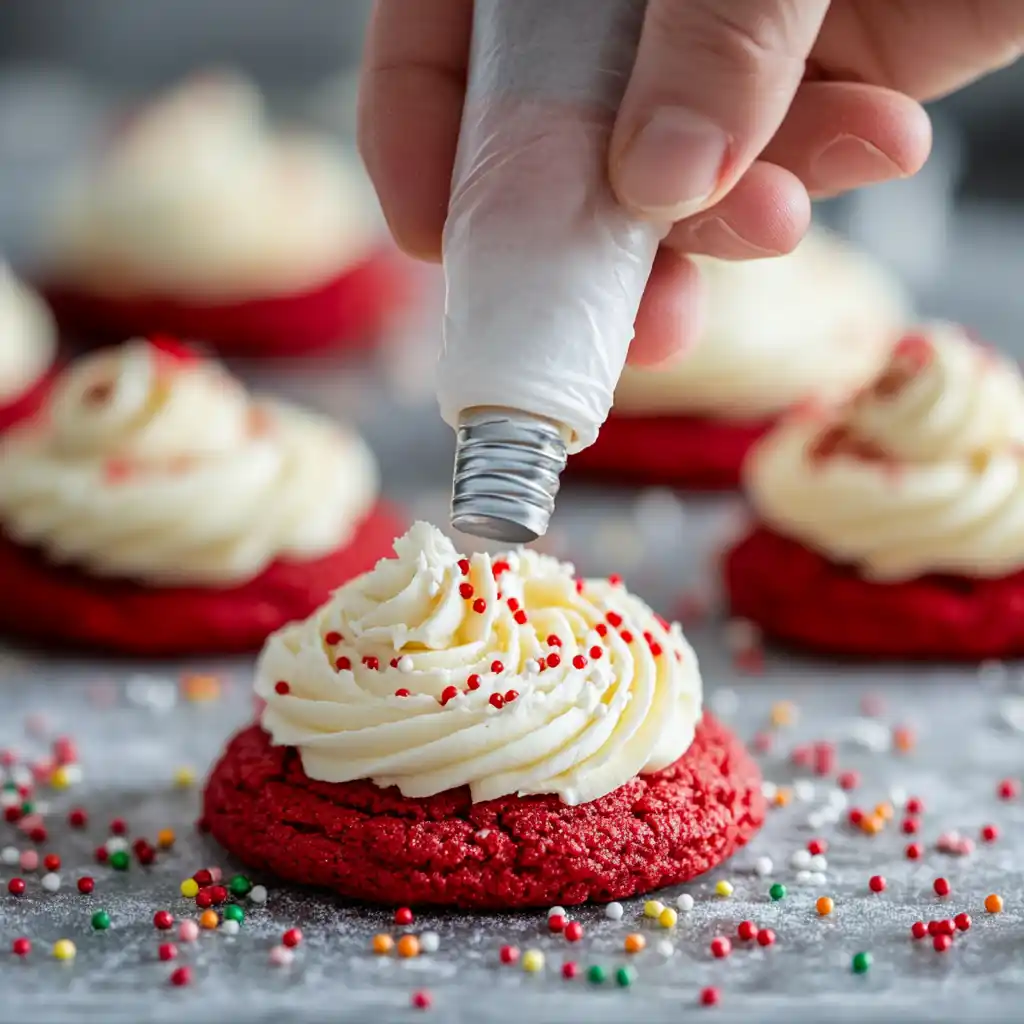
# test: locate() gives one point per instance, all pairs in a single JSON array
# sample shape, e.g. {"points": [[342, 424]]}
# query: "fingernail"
{"points": [[673, 165], [716, 237], [848, 162]]}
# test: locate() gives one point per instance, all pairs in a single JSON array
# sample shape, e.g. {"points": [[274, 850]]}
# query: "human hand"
{"points": [[734, 117]]}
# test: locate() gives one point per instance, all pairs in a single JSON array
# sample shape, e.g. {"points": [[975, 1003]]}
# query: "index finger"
{"points": [[410, 105]]}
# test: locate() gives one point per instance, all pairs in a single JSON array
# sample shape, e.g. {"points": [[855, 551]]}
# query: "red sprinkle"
{"points": [[554, 641], [556, 923], [615, 580], [573, 931], [848, 780], [496, 700], [168, 951], [941, 943], [513, 604], [914, 851], [765, 937], [614, 619], [579, 661], [601, 629], [941, 887], [78, 818], [51, 862], [163, 919], [499, 567], [915, 806], [596, 652], [989, 833], [497, 667], [934, 927], [945, 927], [479, 606], [393, 663], [910, 826], [747, 930], [855, 817], [403, 916], [448, 693], [876, 883], [16, 886], [118, 827], [333, 638], [100, 855], [520, 618], [710, 996], [38, 834], [510, 695], [181, 976], [466, 591], [292, 937], [509, 954], [86, 884], [570, 969], [203, 899], [720, 947], [402, 692], [554, 661], [12, 814], [963, 922], [1008, 789], [919, 929], [816, 846], [627, 637], [21, 947], [282, 687], [219, 894], [372, 662], [343, 664], [203, 877], [473, 682], [463, 564], [422, 1000]]}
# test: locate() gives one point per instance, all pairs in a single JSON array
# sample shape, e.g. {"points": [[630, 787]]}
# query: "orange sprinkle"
{"points": [[165, 838], [825, 905], [209, 919], [784, 713], [634, 943], [199, 688], [408, 945], [994, 903], [903, 738], [783, 796], [873, 824], [383, 943], [885, 811]]}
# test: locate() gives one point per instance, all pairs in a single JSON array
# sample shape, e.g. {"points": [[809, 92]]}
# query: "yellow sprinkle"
{"points": [[165, 838], [533, 961], [784, 713], [60, 778], [783, 796], [723, 888], [64, 949], [199, 688], [184, 777], [873, 824], [189, 888], [652, 908], [667, 918], [885, 811]]}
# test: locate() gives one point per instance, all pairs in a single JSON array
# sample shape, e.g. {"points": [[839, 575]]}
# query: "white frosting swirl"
{"points": [[921, 473], [28, 337], [817, 322], [397, 677], [197, 196], [154, 465]]}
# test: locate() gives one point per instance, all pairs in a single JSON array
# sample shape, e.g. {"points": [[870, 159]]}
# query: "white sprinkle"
{"points": [[10, 855], [614, 911], [556, 910], [21, 775], [405, 664], [483, 833], [871, 735], [817, 878], [73, 774], [837, 798], [741, 635], [768, 790], [430, 942], [42, 807], [685, 903], [10, 798], [258, 894], [229, 927], [830, 815], [50, 881], [725, 703], [801, 859], [818, 863], [531, 666], [665, 948], [763, 866], [281, 956], [115, 844], [803, 878], [815, 819], [803, 790]]}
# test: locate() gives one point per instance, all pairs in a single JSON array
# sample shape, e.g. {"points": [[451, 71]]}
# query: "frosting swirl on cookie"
{"points": [[505, 674], [28, 337], [818, 322], [198, 196], [152, 464], [923, 472]]}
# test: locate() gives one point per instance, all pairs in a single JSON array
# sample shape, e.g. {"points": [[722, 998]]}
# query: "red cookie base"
{"points": [[56, 606], [679, 451], [374, 844], [347, 312], [26, 404], [800, 597]]}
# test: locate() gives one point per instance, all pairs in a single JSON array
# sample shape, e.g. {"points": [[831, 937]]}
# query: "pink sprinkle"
{"points": [[216, 874], [188, 931], [281, 956], [29, 860]]}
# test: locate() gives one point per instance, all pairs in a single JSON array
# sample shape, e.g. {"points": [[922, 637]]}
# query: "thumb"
{"points": [[712, 82]]}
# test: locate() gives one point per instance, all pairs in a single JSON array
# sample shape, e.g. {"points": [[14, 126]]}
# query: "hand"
{"points": [[735, 116]]}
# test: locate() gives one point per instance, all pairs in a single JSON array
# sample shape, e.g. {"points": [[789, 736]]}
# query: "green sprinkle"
{"points": [[233, 912], [777, 891], [625, 976], [240, 886], [27, 807], [596, 974], [119, 860], [101, 920], [861, 963]]}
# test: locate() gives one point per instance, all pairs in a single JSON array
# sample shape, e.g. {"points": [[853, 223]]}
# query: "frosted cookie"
{"points": [[199, 220], [28, 343], [816, 324], [482, 732], [154, 507], [894, 526]]}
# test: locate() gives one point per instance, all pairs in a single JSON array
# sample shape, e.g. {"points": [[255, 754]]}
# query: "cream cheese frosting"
{"points": [[28, 337], [198, 196], [923, 472], [817, 322], [151, 464], [504, 674]]}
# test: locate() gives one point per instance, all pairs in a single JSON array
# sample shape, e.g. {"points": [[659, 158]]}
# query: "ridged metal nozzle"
{"points": [[507, 468]]}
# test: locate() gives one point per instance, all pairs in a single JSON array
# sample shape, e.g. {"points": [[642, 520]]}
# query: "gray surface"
{"points": [[131, 741]]}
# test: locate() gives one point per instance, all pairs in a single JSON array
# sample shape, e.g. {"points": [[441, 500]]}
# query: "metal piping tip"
{"points": [[507, 468]]}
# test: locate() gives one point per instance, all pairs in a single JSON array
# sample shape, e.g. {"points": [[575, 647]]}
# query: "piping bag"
{"points": [[544, 270]]}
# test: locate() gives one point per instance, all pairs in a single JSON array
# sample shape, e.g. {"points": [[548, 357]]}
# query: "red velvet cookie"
{"points": [[60, 605], [374, 844], [682, 451], [347, 312], [800, 597]]}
